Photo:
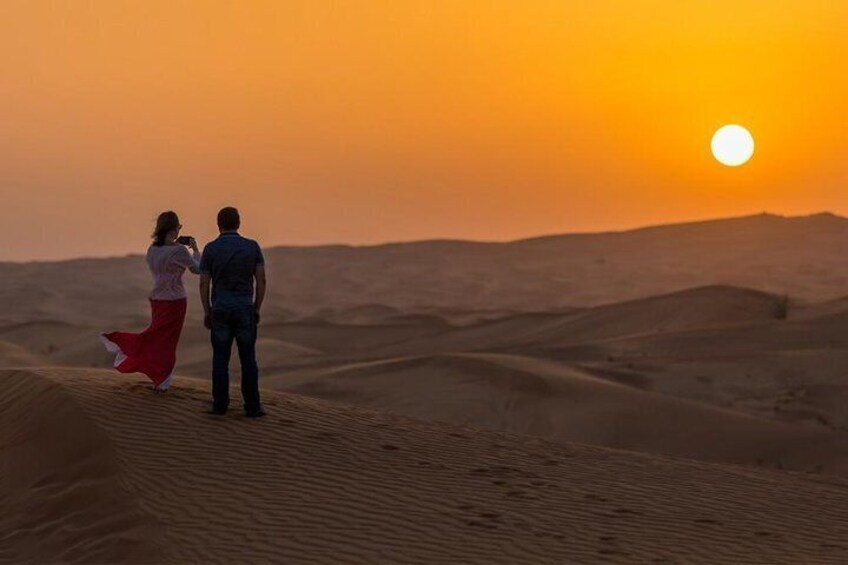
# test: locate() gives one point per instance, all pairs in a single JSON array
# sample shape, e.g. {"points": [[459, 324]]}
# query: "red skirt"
{"points": [[153, 351]]}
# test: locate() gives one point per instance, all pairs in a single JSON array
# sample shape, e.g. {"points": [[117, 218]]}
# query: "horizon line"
{"points": [[389, 243]]}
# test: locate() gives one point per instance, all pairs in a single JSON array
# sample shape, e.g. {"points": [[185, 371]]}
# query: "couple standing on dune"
{"points": [[229, 265]]}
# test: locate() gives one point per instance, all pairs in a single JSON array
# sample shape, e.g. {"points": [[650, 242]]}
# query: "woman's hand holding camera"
{"points": [[188, 240]]}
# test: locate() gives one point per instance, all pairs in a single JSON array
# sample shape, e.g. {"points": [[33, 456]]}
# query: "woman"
{"points": [[154, 351]]}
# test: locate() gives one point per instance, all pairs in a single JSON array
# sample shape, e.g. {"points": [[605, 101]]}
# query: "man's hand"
{"points": [[207, 320], [256, 310]]}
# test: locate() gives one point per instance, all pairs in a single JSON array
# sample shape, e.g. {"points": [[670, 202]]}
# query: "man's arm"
{"points": [[204, 300], [259, 275], [260, 288]]}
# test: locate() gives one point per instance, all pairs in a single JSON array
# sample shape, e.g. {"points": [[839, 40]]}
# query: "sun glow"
{"points": [[543, 117], [732, 145]]}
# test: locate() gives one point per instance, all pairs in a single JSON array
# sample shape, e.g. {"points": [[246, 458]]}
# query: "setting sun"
{"points": [[732, 145]]}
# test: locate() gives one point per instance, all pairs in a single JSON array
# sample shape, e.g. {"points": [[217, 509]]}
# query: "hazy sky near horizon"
{"points": [[371, 121]]}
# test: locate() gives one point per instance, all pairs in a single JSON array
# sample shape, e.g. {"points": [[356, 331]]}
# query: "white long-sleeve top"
{"points": [[167, 264]]}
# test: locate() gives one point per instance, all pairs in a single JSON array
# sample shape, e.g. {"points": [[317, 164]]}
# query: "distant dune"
{"points": [[799, 256], [803, 257], [98, 469], [691, 309], [534, 397], [14, 355]]}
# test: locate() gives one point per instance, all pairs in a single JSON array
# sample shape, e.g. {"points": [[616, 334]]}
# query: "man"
{"points": [[231, 263]]}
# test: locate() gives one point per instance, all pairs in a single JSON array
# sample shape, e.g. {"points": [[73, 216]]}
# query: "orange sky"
{"points": [[370, 121]]}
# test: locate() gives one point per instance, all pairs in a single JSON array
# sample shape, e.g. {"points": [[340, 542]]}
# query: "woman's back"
{"points": [[154, 351], [167, 264]]}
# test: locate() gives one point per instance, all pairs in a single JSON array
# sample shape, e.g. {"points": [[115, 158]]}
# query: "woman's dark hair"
{"points": [[166, 222]]}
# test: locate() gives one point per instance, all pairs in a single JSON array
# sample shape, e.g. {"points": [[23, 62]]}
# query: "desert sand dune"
{"points": [[64, 290], [807, 311], [720, 353], [364, 314], [723, 351], [195, 359], [54, 341], [683, 311], [803, 257], [128, 476], [486, 335], [786, 370], [43, 336], [347, 339], [806, 387], [61, 491], [638, 340], [529, 396], [14, 355]]}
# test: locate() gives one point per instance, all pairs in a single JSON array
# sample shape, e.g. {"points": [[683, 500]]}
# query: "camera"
{"points": [[184, 240]]}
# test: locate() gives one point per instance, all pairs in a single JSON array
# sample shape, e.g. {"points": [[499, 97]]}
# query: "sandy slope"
{"points": [[61, 491], [97, 469], [14, 355], [688, 310], [531, 396]]}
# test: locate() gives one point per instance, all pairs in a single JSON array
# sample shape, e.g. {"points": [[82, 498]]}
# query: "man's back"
{"points": [[229, 265], [231, 262]]}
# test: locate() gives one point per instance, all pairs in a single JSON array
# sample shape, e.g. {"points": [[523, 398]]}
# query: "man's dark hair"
{"points": [[228, 219]]}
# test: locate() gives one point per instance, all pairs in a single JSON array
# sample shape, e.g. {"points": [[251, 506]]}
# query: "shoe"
{"points": [[255, 413], [216, 412]]}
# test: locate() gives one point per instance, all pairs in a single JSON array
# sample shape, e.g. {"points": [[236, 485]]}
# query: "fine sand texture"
{"points": [[97, 469]]}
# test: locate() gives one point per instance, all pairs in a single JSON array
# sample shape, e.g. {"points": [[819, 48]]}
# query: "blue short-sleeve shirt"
{"points": [[231, 261]]}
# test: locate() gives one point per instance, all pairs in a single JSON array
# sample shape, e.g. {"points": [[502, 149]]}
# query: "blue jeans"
{"points": [[237, 324]]}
